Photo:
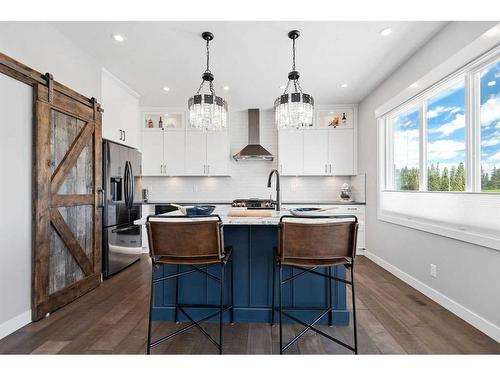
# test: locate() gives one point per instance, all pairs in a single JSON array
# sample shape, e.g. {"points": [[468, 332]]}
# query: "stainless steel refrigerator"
{"points": [[121, 239]]}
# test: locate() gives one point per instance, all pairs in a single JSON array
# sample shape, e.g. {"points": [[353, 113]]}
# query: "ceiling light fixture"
{"points": [[294, 110], [118, 38], [167, 89], [207, 111], [225, 88], [344, 85], [385, 32]]}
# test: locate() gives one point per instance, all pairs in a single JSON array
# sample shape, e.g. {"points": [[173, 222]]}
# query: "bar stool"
{"points": [[307, 245], [198, 244]]}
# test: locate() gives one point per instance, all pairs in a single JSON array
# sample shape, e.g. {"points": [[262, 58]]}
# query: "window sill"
{"points": [[443, 229]]}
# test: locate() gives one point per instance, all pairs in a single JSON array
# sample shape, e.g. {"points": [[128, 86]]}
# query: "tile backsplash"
{"points": [[249, 178]]}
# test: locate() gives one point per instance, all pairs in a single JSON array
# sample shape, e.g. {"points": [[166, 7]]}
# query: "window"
{"points": [[489, 115], [405, 129], [446, 140]]}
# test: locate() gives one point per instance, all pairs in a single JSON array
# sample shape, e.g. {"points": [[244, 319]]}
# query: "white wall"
{"points": [[468, 275], [42, 47], [16, 100], [248, 178]]}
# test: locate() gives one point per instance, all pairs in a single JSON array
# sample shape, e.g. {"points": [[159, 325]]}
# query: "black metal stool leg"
{"points": [[330, 314], [151, 298], [221, 305], [176, 313], [231, 316], [273, 292], [354, 311], [281, 306]]}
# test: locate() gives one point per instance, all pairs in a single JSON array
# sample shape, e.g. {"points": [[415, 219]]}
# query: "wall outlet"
{"points": [[434, 270]]}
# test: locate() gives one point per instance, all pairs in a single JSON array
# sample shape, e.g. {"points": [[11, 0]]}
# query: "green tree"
{"points": [[433, 178], [459, 180], [445, 180]]}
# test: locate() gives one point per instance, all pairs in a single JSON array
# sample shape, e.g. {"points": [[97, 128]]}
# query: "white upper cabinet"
{"points": [[217, 153], [195, 153], [174, 146], [327, 149], [290, 152], [120, 120], [152, 153], [316, 162], [341, 152]]}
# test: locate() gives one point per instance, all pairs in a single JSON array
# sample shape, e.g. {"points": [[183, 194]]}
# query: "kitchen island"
{"points": [[252, 239]]}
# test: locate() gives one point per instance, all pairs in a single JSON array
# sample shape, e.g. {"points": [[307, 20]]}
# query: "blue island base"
{"points": [[252, 260]]}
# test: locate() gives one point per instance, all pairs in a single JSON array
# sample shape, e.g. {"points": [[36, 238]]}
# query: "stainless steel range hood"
{"points": [[253, 151]]}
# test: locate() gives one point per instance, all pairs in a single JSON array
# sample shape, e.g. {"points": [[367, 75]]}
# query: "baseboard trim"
{"points": [[461, 311], [12, 325]]}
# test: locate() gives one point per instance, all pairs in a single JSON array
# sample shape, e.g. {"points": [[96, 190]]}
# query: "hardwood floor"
{"points": [[393, 318]]}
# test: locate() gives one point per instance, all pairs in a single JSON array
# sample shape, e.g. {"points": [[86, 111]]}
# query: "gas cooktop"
{"points": [[254, 204]]}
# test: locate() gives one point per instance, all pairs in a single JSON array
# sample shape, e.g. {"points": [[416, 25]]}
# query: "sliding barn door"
{"points": [[67, 196]]}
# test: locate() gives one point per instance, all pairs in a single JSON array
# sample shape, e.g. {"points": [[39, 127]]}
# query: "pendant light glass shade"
{"points": [[207, 111], [294, 110]]}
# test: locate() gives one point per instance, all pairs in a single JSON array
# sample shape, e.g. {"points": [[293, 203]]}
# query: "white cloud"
{"points": [[444, 149], [494, 157], [493, 140], [446, 129], [490, 110], [440, 110], [406, 148]]}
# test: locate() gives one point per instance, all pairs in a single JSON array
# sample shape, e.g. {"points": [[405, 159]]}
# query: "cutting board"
{"points": [[250, 213]]}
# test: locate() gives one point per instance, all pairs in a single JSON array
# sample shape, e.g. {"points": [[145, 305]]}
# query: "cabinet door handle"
{"points": [[124, 135], [121, 135], [208, 169], [161, 168], [330, 169], [326, 168], [165, 168], [204, 169]]}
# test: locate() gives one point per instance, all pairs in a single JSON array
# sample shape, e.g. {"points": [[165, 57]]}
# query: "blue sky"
{"points": [[446, 126]]}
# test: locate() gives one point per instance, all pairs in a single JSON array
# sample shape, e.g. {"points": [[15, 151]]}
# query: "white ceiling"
{"points": [[252, 58]]}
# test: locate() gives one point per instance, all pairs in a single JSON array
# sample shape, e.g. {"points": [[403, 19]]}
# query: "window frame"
{"points": [[469, 75]]}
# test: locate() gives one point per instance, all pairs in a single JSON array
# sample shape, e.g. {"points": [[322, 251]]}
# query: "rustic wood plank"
{"points": [[41, 204], [71, 242], [71, 157], [72, 200], [50, 347]]}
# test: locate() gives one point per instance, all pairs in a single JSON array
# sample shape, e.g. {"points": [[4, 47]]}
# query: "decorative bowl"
{"points": [[199, 210]]}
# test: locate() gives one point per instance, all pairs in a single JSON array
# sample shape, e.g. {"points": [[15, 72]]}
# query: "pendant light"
{"points": [[207, 111], [294, 110]]}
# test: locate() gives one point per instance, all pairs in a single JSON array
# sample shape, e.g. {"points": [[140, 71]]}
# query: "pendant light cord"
{"points": [[296, 83], [207, 70]]}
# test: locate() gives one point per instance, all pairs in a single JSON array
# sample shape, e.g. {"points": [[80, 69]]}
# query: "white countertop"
{"points": [[223, 210]]}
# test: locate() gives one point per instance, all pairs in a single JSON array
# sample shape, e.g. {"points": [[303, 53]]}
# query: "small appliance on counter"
{"points": [[145, 195], [254, 204]]}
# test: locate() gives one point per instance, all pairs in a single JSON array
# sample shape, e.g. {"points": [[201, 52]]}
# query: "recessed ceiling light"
{"points": [[414, 85], [386, 31], [225, 88], [344, 85], [492, 32], [492, 83], [118, 38], [167, 89]]}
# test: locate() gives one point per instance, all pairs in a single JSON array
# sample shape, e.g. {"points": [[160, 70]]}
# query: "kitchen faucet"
{"points": [[278, 199]]}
